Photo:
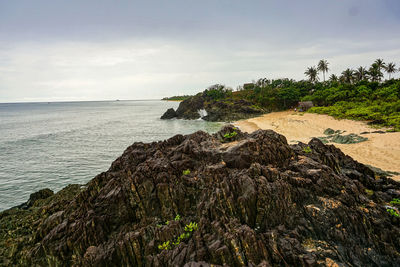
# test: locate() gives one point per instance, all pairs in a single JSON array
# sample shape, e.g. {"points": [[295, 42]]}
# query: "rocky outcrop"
{"points": [[228, 199], [34, 197], [169, 114], [217, 110]]}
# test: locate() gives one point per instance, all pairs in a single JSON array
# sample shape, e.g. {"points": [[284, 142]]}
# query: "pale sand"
{"points": [[381, 150]]}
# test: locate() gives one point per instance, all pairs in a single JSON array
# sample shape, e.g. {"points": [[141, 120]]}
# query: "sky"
{"points": [[52, 50]]}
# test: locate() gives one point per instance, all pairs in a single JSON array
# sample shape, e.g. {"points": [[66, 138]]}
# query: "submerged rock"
{"points": [[223, 199]]}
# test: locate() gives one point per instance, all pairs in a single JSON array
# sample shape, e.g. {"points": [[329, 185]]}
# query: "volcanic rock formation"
{"points": [[229, 199]]}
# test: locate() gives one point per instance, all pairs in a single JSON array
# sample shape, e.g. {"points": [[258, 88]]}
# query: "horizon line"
{"points": [[73, 101]]}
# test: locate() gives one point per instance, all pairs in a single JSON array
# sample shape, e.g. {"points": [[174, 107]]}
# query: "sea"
{"points": [[51, 145]]}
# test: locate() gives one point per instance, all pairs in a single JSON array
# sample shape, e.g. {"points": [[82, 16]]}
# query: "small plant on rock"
{"points": [[164, 246], [186, 172], [230, 135], [395, 201], [191, 227], [369, 192], [307, 149], [177, 217], [393, 212]]}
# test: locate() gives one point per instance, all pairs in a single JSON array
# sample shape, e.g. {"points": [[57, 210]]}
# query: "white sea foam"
{"points": [[202, 113]]}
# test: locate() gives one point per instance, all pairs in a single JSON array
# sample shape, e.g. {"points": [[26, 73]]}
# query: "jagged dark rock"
{"points": [[188, 108], [217, 110], [34, 197], [169, 114], [257, 201]]}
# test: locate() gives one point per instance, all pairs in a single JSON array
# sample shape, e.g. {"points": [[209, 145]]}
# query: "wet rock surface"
{"points": [[217, 110], [198, 200]]}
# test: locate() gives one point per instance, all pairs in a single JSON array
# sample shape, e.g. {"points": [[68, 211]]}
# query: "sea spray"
{"points": [[202, 113]]}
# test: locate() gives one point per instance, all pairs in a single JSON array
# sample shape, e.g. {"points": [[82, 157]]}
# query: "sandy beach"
{"points": [[380, 150]]}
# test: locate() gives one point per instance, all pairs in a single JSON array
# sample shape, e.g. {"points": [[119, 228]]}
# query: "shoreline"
{"points": [[381, 150]]}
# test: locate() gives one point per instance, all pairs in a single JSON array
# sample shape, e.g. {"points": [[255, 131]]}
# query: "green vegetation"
{"points": [[177, 217], [395, 201], [307, 149], [230, 135], [359, 94], [393, 212], [218, 91], [186, 172], [189, 229], [166, 245], [177, 98], [369, 192]]}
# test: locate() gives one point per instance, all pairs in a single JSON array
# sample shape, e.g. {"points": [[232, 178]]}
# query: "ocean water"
{"points": [[55, 144]]}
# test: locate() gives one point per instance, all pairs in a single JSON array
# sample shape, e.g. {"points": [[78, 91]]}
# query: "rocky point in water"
{"points": [[216, 110], [227, 199]]}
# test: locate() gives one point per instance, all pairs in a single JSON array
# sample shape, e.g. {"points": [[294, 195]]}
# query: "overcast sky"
{"points": [[98, 50]]}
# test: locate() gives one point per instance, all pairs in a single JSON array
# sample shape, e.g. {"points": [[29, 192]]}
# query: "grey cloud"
{"points": [[83, 50]]}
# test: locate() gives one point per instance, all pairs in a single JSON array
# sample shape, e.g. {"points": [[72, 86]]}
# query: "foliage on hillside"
{"points": [[364, 100], [177, 98], [355, 94]]}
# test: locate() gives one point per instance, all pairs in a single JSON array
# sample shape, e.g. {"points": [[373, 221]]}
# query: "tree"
{"points": [[390, 68], [347, 76], [375, 73], [333, 78], [289, 96], [323, 66], [361, 74], [218, 91], [312, 74], [380, 65]]}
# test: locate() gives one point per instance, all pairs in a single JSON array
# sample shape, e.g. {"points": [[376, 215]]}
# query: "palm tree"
{"points": [[361, 74], [347, 76], [380, 65], [375, 72], [323, 66], [333, 78], [312, 74], [390, 68]]}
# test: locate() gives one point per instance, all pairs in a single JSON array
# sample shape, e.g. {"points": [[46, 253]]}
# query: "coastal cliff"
{"points": [[230, 198]]}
